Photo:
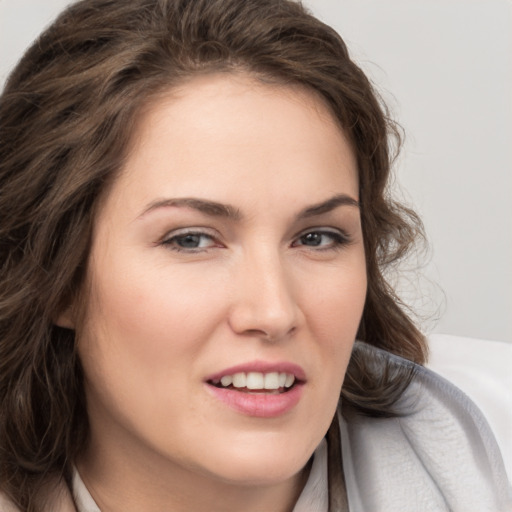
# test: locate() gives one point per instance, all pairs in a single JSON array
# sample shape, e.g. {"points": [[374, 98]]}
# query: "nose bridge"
{"points": [[265, 301]]}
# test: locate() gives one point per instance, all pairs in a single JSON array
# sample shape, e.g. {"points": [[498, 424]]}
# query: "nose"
{"points": [[264, 299]]}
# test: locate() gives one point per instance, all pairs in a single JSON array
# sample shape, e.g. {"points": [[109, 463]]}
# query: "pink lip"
{"points": [[261, 405]]}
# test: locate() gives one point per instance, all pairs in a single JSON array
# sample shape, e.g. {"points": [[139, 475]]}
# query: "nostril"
{"points": [[264, 306]]}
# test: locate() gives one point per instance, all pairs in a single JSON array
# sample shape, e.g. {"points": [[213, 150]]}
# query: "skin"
{"points": [[163, 317]]}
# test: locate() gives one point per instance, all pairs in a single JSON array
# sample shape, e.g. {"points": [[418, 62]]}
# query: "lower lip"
{"points": [[261, 405]]}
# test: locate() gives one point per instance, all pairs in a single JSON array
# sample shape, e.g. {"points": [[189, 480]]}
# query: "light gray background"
{"points": [[445, 69]]}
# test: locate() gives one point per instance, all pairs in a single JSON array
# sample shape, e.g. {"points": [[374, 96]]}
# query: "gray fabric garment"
{"points": [[441, 456]]}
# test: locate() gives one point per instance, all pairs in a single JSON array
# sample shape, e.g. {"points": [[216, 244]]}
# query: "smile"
{"points": [[259, 389], [256, 382]]}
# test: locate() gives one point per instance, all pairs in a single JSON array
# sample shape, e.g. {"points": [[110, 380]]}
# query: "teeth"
{"points": [[290, 379], [239, 380], [226, 381], [258, 380], [255, 380], [271, 381]]}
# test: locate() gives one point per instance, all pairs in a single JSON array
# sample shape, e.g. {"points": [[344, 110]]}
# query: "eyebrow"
{"points": [[327, 206], [205, 206], [215, 209]]}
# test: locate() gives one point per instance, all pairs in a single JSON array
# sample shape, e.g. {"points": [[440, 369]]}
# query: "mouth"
{"points": [[259, 389], [272, 383]]}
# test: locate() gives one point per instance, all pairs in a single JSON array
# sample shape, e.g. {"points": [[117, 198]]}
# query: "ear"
{"points": [[65, 318]]}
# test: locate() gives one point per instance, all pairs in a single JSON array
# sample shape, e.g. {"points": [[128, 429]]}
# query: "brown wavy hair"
{"points": [[67, 113]]}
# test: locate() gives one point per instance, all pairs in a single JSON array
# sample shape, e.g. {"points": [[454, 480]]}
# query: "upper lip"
{"points": [[262, 367]]}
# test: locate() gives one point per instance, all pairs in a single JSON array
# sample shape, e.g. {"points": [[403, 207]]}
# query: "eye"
{"points": [[190, 241], [322, 239]]}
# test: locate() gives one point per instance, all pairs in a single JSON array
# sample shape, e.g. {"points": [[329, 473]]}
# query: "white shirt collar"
{"points": [[83, 499]]}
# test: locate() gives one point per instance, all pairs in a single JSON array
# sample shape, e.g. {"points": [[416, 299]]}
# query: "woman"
{"points": [[195, 226]]}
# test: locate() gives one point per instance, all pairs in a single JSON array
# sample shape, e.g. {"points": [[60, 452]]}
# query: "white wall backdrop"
{"points": [[445, 68]]}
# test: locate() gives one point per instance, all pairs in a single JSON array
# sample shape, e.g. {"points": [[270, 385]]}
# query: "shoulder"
{"points": [[438, 454]]}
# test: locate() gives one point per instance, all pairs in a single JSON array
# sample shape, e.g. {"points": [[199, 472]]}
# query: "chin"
{"points": [[261, 463]]}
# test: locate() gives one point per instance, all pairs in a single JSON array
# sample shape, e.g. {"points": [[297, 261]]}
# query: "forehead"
{"points": [[225, 134]]}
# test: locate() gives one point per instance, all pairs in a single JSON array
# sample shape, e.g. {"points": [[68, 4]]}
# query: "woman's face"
{"points": [[228, 278]]}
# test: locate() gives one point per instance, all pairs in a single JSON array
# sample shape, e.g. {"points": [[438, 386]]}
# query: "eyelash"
{"points": [[338, 240], [172, 241]]}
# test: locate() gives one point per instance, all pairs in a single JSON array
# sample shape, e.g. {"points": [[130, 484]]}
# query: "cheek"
{"points": [[339, 312], [144, 330], [337, 299], [336, 306], [150, 310], [140, 342]]}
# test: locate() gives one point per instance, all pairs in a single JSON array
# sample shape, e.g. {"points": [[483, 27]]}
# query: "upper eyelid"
{"points": [[339, 237], [215, 236], [170, 240], [190, 231], [324, 229]]}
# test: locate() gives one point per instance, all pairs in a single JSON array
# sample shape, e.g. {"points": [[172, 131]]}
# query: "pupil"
{"points": [[189, 241], [312, 239]]}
